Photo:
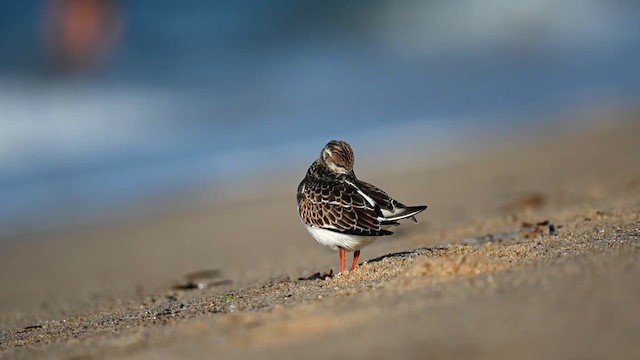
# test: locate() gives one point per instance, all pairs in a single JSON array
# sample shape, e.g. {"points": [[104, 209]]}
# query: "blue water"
{"points": [[199, 95]]}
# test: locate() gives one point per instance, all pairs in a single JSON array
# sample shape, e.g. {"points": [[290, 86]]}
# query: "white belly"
{"points": [[335, 240]]}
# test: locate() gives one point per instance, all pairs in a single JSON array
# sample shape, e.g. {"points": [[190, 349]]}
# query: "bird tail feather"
{"points": [[406, 212]]}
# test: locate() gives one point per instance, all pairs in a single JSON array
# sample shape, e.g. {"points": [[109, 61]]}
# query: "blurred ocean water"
{"points": [[199, 95]]}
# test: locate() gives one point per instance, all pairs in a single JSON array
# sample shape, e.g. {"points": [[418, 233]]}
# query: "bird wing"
{"points": [[381, 198], [391, 208], [340, 207]]}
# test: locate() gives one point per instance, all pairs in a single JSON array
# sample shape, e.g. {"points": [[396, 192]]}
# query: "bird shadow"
{"points": [[395, 255], [406, 254]]}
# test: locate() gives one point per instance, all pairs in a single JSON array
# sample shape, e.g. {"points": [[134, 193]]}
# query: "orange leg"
{"points": [[343, 256], [356, 256]]}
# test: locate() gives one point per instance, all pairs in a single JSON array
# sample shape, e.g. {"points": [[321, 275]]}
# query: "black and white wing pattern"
{"points": [[381, 198], [391, 208], [341, 207]]}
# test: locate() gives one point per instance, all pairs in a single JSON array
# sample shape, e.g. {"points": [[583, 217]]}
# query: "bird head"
{"points": [[338, 157]]}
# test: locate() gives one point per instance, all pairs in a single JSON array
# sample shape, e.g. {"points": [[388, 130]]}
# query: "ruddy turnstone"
{"points": [[342, 212]]}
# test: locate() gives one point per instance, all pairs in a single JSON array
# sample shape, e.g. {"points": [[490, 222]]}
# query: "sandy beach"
{"points": [[529, 249]]}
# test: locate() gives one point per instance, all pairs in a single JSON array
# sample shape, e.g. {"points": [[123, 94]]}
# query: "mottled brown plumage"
{"points": [[331, 198], [328, 201]]}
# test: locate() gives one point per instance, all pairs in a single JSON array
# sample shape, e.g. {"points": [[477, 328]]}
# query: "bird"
{"points": [[342, 212]]}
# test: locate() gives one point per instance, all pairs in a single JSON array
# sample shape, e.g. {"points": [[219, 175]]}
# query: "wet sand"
{"points": [[530, 249]]}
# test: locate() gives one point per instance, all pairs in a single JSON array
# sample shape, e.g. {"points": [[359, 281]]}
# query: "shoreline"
{"points": [[431, 144]]}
